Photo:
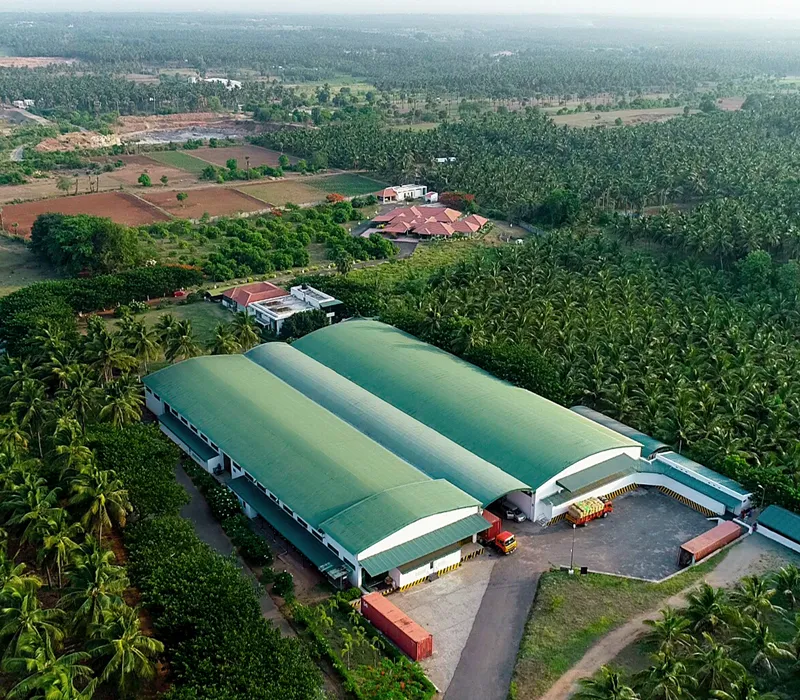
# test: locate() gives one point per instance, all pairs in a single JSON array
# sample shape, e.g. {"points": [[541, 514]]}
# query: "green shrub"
{"points": [[284, 585], [267, 576], [222, 502], [253, 548], [350, 594]]}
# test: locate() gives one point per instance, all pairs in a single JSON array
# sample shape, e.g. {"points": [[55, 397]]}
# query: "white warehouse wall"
{"points": [[419, 528], [780, 539], [404, 579], [550, 487]]}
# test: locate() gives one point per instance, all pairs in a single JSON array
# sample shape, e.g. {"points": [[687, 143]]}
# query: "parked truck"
{"points": [[592, 508], [495, 536], [413, 640], [709, 542]]}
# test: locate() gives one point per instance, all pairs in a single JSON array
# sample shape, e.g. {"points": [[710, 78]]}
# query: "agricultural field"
{"points": [[348, 184], [258, 156], [121, 207], [136, 165], [629, 117], [215, 201], [180, 160], [279, 192], [19, 267]]}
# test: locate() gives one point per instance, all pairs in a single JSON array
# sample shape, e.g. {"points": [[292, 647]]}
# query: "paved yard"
{"points": [[477, 614], [640, 538]]}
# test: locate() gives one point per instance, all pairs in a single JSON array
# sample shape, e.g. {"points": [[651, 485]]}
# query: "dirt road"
{"points": [[753, 555]]}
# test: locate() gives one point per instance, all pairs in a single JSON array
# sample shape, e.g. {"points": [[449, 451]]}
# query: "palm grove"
{"points": [[76, 467], [724, 645]]}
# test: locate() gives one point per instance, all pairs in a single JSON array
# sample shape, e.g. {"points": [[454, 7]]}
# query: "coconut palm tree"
{"points": [[128, 652], [787, 583], [245, 330], [142, 342], [708, 609], [33, 505], [122, 402], [225, 342], [744, 689], [608, 685], [59, 542], [669, 634], [95, 584], [13, 439], [32, 409], [757, 641], [667, 679], [106, 354], [753, 598], [165, 327], [65, 677], [23, 620], [713, 666], [181, 343], [101, 499]]}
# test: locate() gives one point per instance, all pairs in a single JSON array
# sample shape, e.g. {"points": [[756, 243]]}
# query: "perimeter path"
{"points": [[210, 531], [754, 555]]}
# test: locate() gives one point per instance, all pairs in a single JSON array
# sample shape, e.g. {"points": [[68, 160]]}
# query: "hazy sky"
{"points": [[687, 8]]}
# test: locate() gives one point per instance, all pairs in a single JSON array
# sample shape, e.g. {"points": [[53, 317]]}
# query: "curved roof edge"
{"points": [[650, 445], [421, 446], [383, 514]]}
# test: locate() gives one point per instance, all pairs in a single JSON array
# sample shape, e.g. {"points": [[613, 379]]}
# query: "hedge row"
{"points": [[58, 301]]}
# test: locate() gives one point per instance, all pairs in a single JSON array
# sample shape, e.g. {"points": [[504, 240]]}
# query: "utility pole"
{"points": [[572, 551]]}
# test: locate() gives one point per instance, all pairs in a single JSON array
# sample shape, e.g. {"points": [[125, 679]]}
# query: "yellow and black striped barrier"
{"points": [[687, 502], [472, 555]]}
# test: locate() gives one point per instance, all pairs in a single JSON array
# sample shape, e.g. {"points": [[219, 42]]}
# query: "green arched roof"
{"points": [[312, 460], [416, 443], [523, 434]]}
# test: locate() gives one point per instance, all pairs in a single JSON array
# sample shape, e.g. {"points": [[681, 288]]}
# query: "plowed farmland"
{"points": [[136, 165], [121, 207], [258, 156], [280, 192], [216, 201]]}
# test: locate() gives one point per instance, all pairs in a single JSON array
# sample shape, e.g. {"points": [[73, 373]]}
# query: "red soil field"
{"points": [[258, 156], [216, 201], [136, 165], [118, 206]]}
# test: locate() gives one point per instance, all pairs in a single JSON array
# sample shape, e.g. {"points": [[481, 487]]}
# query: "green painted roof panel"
{"points": [[523, 434], [704, 472], [649, 444], [312, 460], [424, 545], [782, 521], [379, 516], [425, 448]]}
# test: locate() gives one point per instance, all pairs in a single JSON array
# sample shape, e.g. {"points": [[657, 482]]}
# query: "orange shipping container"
{"points": [[709, 542], [413, 640]]}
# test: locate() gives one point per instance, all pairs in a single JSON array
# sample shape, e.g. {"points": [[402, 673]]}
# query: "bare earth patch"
{"points": [[216, 201], [628, 116]]}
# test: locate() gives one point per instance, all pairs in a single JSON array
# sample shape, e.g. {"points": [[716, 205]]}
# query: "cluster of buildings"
{"points": [[270, 305], [23, 104], [428, 222], [375, 454]]}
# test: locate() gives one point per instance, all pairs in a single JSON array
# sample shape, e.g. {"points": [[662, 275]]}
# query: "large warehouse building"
{"points": [[375, 453]]}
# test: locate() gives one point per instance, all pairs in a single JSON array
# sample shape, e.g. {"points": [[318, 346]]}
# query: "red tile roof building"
{"points": [[429, 221], [241, 297]]}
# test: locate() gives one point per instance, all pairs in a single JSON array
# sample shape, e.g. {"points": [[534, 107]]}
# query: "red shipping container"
{"points": [[411, 638], [709, 542], [495, 525]]}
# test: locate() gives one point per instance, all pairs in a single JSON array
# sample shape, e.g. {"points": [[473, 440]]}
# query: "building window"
{"points": [[249, 477], [156, 397], [287, 509], [316, 534], [273, 497], [334, 550], [301, 521], [261, 488], [184, 421], [214, 446], [193, 429]]}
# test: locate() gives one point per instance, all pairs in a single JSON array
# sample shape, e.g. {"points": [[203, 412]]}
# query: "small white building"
{"points": [[271, 313], [432, 197], [402, 193], [229, 84], [24, 104]]}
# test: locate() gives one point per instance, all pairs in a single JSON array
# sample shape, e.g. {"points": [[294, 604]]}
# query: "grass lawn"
{"points": [[571, 613], [203, 315], [179, 159], [348, 184], [19, 267], [279, 192]]}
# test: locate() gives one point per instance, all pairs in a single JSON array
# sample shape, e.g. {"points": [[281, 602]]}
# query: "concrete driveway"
{"points": [[477, 614]]}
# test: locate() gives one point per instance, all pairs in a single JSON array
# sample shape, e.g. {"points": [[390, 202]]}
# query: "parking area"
{"points": [[477, 613], [640, 538]]}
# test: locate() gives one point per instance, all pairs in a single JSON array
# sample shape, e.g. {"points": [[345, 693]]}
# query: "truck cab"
{"points": [[505, 542]]}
